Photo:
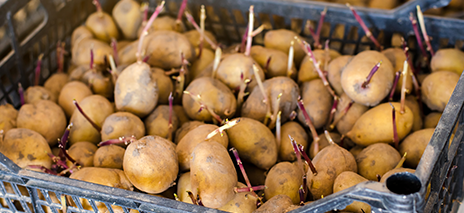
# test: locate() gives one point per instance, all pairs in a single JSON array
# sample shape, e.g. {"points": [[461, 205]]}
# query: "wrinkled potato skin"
{"points": [[377, 159], [136, 91], [334, 70], [102, 25], [81, 52], [122, 124], [397, 57], [97, 108], [323, 142], [194, 137], [8, 115], [37, 93], [80, 33], [243, 202], [44, 117], [184, 185], [284, 178], [307, 70], [159, 160], [165, 85], [212, 174], [449, 59], [194, 38], [278, 203], [348, 119], [26, 147], [255, 108], [317, 102], [356, 71], [278, 61], [415, 145], [346, 180], [74, 90], [186, 128], [164, 49], [110, 156], [127, 16], [286, 152], [280, 40], [231, 68], [55, 83], [181, 115], [394, 171], [412, 103], [330, 162], [214, 94], [83, 152], [157, 123], [254, 141], [375, 125], [432, 119], [437, 89]]}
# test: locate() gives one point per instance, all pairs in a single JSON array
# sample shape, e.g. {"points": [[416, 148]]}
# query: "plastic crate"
{"points": [[27, 191]]}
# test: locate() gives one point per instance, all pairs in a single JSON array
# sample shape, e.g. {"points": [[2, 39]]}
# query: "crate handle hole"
{"points": [[403, 183]]}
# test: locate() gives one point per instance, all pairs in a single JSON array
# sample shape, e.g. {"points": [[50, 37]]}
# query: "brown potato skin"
{"points": [[56, 83], [164, 49], [8, 116], [278, 61], [214, 94], [194, 38], [127, 16], [412, 103], [334, 70], [37, 93], [157, 123], [329, 162], [307, 70], [181, 115], [102, 25], [255, 108], [99, 83], [76, 73], [380, 4], [284, 178], [394, 171], [286, 152], [346, 180], [165, 23], [136, 91], [356, 71], [231, 68], [81, 52], [80, 33], [278, 203], [110, 156], [44, 117], [415, 145], [254, 141], [356, 150], [377, 159], [212, 174], [186, 128], [397, 57], [437, 89], [243, 202], [448, 59], [323, 142], [348, 120], [74, 90], [432, 119], [280, 40], [317, 102], [83, 152], [159, 160], [26, 147], [97, 108], [165, 85], [194, 137], [122, 124]]}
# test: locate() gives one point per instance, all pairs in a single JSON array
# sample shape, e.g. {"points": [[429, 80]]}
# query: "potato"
{"points": [[394, 171], [256, 175], [37, 93], [317, 102], [286, 152], [8, 115], [157, 123], [415, 145], [323, 142], [346, 180], [122, 124], [334, 70], [411, 102], [165, 85], [194, 38], [77, 73], [186, 128], [278, 64], [83, 152], [44, 117], [242, 202], [80, 33], [205, 59], [380, 4], [26, 147], [73, 90], [377, 159], [97, 108], [356, 71], [214, 94], [127, 16], [110, 156], [151, 164], [194, 137], [397, 57], [281, 40], [181, 115], [254, 142], [102, 25], [432, 119], [437, 89], [81, 52], [128, 54], [184, 185], [284, 178], [356, 150], [278, 203], [448, 59], [376, 126], [165, 47], [348, 119], [233, 66], [307, 70], [136, 91], [212, 174], [255, 108], [55, 83], [329, 162]]}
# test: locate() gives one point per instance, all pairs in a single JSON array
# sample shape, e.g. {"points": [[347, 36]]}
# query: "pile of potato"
{"points": [[168, 106]]}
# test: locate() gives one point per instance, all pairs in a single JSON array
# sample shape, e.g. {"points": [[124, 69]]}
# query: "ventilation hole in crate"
{"points": [[396, 40], [325, 31], [279, 21], [349, 49], [264, 18], [352, 34], [338, 31], [238, 17], [306, 30], [296, 25], [381, 38], [443, 42], [232, 33], [403, 183], [218, 31], [211, 15], [172, 7]]}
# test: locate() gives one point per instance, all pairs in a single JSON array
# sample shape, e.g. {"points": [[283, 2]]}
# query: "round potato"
{"points": [[83, 152], [165, 48], [157, 123], [81, 52], [281, 40], [73, 90], [110, 156], [236, 66], [437, 89], [448, 59], [122, 124], [284, 178], [56, 83], [377, 159]]}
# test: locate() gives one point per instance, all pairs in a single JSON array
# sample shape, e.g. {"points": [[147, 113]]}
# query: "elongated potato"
{"points": [[284, 178], [278, 61], [212, 174], [415, 145], [334, 70], [298, 133], [317, 102], [127, 16]]}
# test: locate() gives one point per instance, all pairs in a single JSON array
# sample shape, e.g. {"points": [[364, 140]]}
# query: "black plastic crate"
{"points": [[27, 191]]}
